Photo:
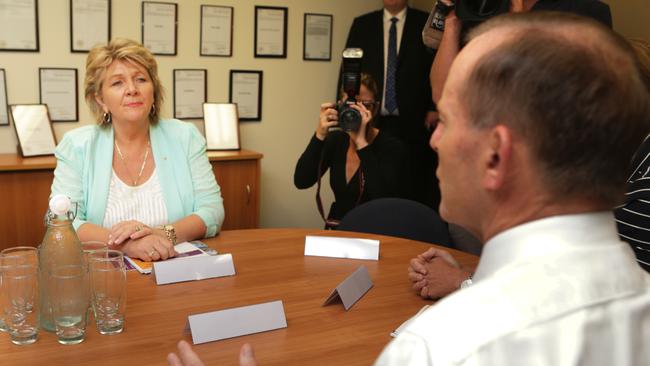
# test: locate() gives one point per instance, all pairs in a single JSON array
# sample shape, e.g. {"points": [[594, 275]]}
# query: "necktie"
{"points": [[391, 68]]}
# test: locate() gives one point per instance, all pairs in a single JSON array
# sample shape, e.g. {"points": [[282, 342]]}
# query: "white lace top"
{"points": [[143, 203]]}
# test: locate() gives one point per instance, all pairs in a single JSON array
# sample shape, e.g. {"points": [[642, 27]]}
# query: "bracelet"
{"points": [[170, 232]]}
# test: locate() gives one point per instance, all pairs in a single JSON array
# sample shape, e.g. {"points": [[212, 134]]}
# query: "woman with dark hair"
{"points": [[364, 165]]}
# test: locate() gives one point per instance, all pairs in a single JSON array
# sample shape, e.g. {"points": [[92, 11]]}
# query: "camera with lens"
{"points": [[350, 118], [470, 12]]}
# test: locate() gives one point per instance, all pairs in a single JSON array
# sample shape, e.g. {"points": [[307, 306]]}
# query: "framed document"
{"points": [[58, 89], [190, 91], [317, 37], [33, 129], [246, 92], [4, 114], [216, 30], [159, 27], [221, 126], [90, 24], [270, 31], [19, 25]]}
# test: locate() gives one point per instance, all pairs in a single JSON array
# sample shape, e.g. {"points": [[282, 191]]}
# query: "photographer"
{"points": [[463, 14], [364, 164]]}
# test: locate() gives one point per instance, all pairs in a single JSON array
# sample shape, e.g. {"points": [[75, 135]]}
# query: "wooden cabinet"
{"points": [[25, 188], [239, 178]]}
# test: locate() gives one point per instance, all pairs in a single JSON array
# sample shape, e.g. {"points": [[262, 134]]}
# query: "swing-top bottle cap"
{"points": [[60, 204]]}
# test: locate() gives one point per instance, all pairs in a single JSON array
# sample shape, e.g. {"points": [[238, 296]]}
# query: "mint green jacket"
{"points": [[84, 167]]}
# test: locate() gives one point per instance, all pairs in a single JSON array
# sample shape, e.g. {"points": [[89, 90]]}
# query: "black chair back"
{"points": [[398, 217]]}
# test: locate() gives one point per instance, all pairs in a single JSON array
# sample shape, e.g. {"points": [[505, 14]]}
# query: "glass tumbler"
{"points": [[108, 290], [87, 247], [70, 306], [14, 255], [20, 303]]}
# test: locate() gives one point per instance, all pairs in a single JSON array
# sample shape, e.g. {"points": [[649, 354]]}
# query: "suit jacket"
{"points": [[413, 65], [84, 165]]}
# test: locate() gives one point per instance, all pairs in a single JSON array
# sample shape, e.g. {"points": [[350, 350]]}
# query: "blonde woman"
{"points": [[141, 183]]}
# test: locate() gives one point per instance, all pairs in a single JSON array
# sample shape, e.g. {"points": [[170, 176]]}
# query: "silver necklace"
{"points": [[144, 162]]}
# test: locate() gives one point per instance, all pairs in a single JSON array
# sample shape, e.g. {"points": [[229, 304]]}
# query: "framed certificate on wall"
{"points": [[317, 37], [216, 30], [19, 25], [58, 89], [90, 24], [159, 27], [271, 31], [246, 92], [190, 92], [4, 110]]}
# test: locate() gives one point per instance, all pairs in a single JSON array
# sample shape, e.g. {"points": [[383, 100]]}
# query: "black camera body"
{"points": [[350, 118], [477, 11]]}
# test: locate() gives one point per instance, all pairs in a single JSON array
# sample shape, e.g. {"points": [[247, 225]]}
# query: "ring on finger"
{"points": [[138, 228], [151, 253]]}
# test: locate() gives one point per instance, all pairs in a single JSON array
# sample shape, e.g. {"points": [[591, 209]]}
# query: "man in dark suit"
{"points": [[408, 113]]}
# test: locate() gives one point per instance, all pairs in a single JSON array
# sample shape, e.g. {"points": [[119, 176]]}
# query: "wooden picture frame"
{"points": [[245, 90], [221, 126], [317, 37], [216, 32], [90, 24], [271, 31], [33, 128]]}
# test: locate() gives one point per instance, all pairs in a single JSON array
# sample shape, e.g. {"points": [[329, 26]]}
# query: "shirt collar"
{"points": [[400, 16], [539, 238]]}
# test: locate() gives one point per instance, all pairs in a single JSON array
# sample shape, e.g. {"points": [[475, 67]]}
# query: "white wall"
{"points": [[293, 88]]}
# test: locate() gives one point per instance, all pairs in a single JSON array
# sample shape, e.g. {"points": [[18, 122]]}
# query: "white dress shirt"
{"points": [[399, 27], [558, 291]]}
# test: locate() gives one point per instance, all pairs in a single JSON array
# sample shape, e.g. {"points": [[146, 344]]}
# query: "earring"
{"points": [[153, 110], [107, 118]]}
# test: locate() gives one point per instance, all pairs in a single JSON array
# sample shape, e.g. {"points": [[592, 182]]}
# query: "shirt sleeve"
{"points": [[208, 203], [68, 176], [308, 166], [405, 350]]}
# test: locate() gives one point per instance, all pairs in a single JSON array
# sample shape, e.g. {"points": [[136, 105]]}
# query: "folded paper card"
{"points": [[235, 322], [351, 289], [330, 246], [193, 268]]}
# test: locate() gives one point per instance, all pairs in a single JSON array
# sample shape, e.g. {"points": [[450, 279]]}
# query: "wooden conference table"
{"points": [[269, 265]]}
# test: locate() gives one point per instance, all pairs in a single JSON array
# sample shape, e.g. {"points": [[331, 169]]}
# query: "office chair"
{"points": [[397, 217]]}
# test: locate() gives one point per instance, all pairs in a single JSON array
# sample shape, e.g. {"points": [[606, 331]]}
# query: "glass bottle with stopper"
{"points": [[60, 247]]}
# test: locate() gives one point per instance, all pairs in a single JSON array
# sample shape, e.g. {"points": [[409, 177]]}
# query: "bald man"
{"points": [[532, 158], [534, 144]]}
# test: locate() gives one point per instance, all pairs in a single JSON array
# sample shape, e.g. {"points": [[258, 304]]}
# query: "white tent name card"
{"points": [[329, 246], [235, 322], [193, 268], [351, 289]]}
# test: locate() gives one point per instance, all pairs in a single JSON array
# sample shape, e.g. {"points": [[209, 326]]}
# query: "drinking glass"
{"points": [[108, 290], [14, 255], [70, 306], [87, 247], [20, 305]]}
